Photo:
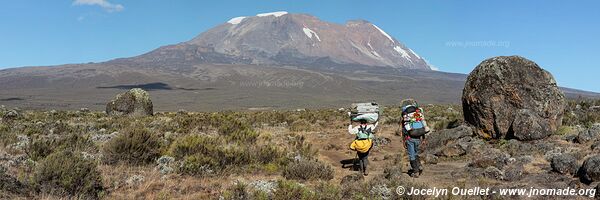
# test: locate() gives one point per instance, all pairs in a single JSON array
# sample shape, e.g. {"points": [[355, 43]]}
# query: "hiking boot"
{"points": [[419, 167], [414, 171]]}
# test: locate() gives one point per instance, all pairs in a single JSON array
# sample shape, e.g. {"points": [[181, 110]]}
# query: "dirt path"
{"points": [[333, 148]]}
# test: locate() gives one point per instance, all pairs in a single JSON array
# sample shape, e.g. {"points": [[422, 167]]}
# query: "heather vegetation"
{"points": [[84, 154]]}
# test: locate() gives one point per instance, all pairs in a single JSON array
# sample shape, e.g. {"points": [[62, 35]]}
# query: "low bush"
{"points": [[40, 147], [300, 125], [287, 190], [308, 170], [134, 146], [67, 173], [203, 155]]}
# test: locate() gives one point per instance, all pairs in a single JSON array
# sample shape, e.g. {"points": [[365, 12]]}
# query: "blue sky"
{"points": [[455, 36]]}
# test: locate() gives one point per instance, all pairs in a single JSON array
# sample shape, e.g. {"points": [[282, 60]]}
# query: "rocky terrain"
{"points": [[273, 154]]}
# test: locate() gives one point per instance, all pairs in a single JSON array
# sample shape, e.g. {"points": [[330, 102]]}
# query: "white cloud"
{"points": [[108, 6]]}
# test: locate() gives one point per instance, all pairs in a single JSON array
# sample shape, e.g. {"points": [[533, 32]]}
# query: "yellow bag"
{"points": [[361, 146]]}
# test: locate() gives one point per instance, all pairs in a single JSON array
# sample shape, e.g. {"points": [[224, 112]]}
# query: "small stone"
{"points": [[493, 173]]}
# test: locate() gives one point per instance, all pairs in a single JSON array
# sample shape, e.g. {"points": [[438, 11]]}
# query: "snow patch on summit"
{"points": [[276, 14], [384, 33], [402, 52], [309, 33], [236, 20]]}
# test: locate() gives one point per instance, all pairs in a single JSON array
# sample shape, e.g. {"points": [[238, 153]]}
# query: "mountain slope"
{"points": [[269, 61], [291, 39]]}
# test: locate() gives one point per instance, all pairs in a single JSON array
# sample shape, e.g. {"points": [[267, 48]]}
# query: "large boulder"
{"points": [[590, 170], [135, 102], [512, 97]]}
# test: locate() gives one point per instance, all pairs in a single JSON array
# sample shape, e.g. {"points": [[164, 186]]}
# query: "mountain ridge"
{"points": [[216, 71]]}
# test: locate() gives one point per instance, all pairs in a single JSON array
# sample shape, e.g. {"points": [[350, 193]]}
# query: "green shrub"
{"points": [[287, 190], [67, 173], [41, 147], [308, 170], [193, 144], [135, 146], [203, 154]]}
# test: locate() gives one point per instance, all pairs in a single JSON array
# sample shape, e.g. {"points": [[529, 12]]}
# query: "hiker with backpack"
{"points": [[414, 129], [363, 142]]}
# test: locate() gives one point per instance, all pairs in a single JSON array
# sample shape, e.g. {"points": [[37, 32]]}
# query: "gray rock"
{"points": [[451, 150], [135, 102], [590, 134], [490, 158], [449, 142], [381, 141], [11, 114], [165, 164], [498, 90], [493, 173], [590, 170], [564, 164]]}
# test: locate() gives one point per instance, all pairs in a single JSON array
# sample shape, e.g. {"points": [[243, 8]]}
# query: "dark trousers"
{"points": [[363, 159]]}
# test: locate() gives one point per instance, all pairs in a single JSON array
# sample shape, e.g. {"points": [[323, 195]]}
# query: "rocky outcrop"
{"points": [[512, 97], [135, 102], [451, 142]]}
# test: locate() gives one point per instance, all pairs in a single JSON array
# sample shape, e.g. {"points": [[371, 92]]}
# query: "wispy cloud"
{"points": [[108, 6]]}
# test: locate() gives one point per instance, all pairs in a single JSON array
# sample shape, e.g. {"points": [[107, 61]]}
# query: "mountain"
{"points": [[280, 38], [269, 61]]}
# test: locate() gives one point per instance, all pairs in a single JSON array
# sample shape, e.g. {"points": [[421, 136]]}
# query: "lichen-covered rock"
{"points": [[490, 157], [493, 173], [564, 164], [590, 134], [135, 102], [510, 96], [590, 170], [450, 142]]}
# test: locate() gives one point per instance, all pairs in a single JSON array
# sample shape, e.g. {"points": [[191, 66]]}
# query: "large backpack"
{"points": [[364, 132], [413, 121], [361, 146]]}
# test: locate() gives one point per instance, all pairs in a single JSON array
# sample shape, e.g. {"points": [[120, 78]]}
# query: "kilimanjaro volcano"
{"points": [[269, 61]]}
